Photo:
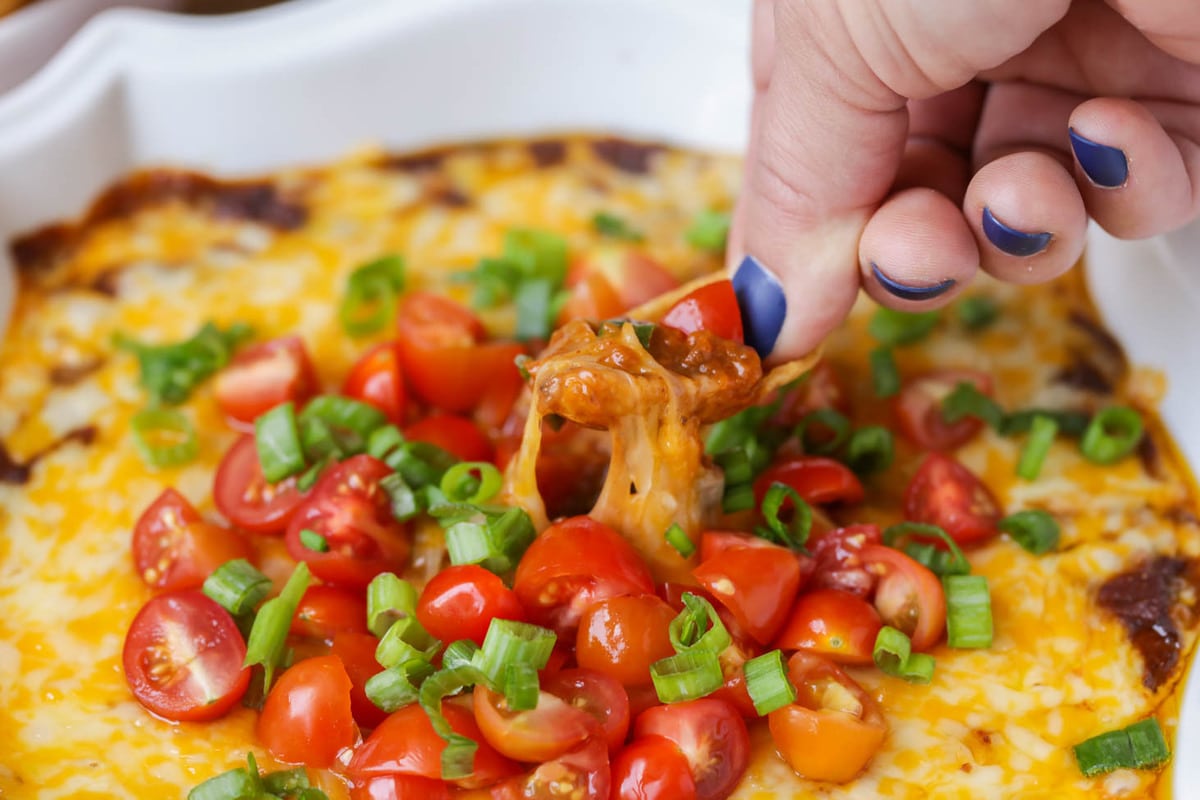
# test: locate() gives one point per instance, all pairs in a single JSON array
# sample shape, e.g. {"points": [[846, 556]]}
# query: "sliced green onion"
{"points": [[268, 637], [286, 782], [686, 676], [835, 424], [237, 586], [644, 331], [390, 599], [460, 653], [384, 441], [1033, 454], [1070, 422], [538, 254], [1138, 746], [533, 300], [894, 656], [1033, 529], [310, 476], [608, 224], [914, 535], [164, 437], [968, 611], [901, 327], [406, 642], [460, 484], [391, 689], [1113, 433], [738, 498], [278, 443], [352, 421], [401, 497], [736, 465], [767, 683], [698, 627], [169, 372], [967, 401], [792, 534], [521, 686], [468, 543], [314, 541], [521, 361], [458, 759], [511, 642], [870, 449], [420, 464], [677, 537], [369, 303], [885, 377], [231, 785], [709, 230], [510, 532], [978, 312]]}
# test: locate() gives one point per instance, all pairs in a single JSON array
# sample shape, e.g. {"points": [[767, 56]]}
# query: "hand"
{"points": [[898, 145]]}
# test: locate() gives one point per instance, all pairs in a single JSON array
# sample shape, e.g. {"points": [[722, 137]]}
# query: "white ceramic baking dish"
{"points": [[306, 81]]}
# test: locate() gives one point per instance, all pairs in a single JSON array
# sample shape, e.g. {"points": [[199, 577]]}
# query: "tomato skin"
{"points": [[826, 744], [185, 686], [376, 379], [574, 563], [460, 602], [757, 585], [821, 388], [734, 692], [908, 596], [652, 768], [947, 494], [582, 774], [816, 479], [623, 636], [537, 735], [837, 555], [353, 513], [357, 652], [242, 494], [261, 377], [454, 434], [597, 694], [401, 787], [712, 307], [591, 297], [306, 718], [406, 744], [712, 736], [173, 548], [442, 354], [325, 611], [633, 277], [835, 624], [918, 409]]}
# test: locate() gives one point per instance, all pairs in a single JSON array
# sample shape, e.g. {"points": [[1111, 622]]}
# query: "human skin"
{"points": [[881, 129]]}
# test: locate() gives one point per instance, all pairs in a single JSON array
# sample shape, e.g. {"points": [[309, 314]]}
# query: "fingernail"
{"points": [[1011, 240], [906, 292], [761, 299], [1105, 166]]}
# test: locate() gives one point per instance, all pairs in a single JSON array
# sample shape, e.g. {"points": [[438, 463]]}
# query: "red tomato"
{"points": [[457, 435], [597, 694], [243, 495], [634, 277], [918, 409], [174, 549], [712, 736], [819, 388], [540, 734], [461, 602], [350, 510], [591, 297], [734, 692], [715, 543], [401, 787], [376, 379], [713, 307], [581, 774], [833, 623], [442, 355], [757, 584], [406, 744], [357, 652], [263, 376], [328, 610], [573, 564], [815, 478], [652, 768], [622, 636], [908, 596], [947, 494], [183, 657], [838, 558], [306, 718]]}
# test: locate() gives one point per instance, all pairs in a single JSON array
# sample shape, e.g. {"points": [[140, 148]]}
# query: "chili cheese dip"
{"points": [[393, 479]]}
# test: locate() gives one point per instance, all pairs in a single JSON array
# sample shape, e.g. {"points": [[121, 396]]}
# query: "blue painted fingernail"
{"points": [[906, 292], [760, 297], [1011, 240], [1105, 166]]}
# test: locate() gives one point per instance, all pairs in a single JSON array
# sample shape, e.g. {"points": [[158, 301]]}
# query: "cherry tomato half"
{"points": [[947, 494], [918, 409], [713, 307], [833, 623], [183, 657], [573, 564], [712, 736], [357, 652], [325, 611], [582, 774], [539, 734], [839, 564], [757, 584], [263, 376], [815, 478], [243, 495], [633, 277], [457, 435], [622, 636], [173, 548], [461, 602], [376, 379], [597, 694], [908, 596], [306, 718], [819, 388], [401, 787], [652, 768]]}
